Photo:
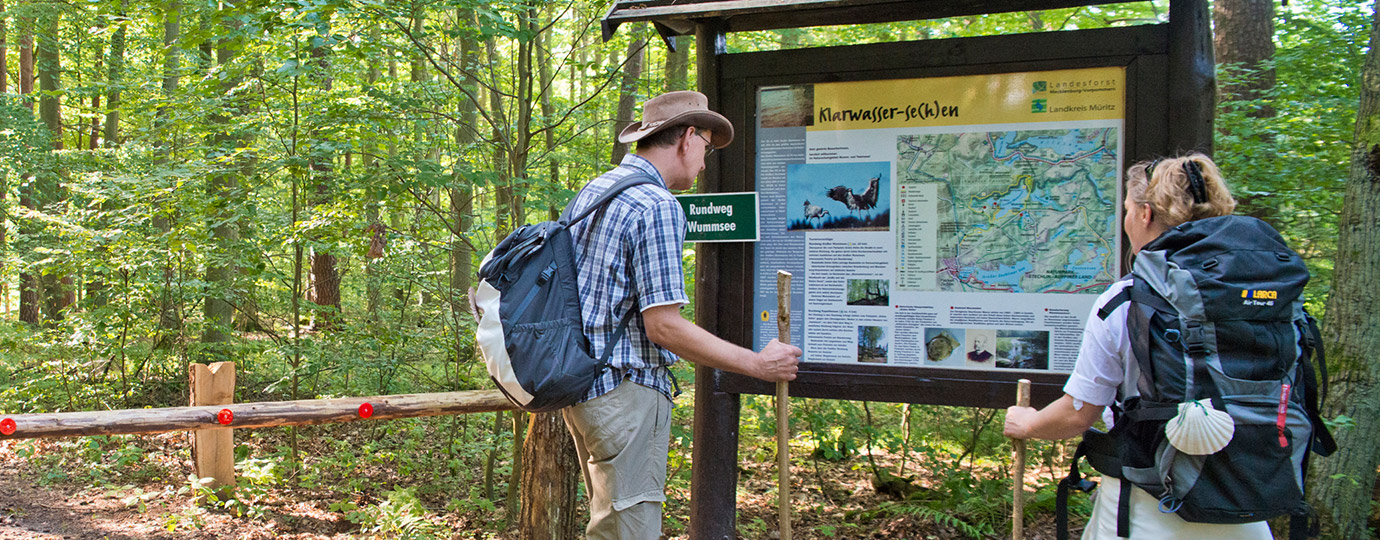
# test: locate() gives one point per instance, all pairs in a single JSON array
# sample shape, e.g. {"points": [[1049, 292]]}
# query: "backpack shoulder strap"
{"points": [[1315, 390], [635, 179], [617, 336], [1116, 302]]}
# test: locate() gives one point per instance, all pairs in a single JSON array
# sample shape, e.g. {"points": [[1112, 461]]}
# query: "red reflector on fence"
{"points": [[366, 410], [225, 417], [8, 427]]}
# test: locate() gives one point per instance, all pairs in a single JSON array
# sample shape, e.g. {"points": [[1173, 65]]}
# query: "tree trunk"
{"points": [[512, 503], [222, 190], [48, 197], [548, 114], [627, 96], [1243, 37], [678, 64], [4, 52], [521, 135], [549, 480], [26, 57], [325, 275], [1243, 34], [1341, 485], [169, 313], [29, 285], [111, 133], [504, 211], [4, 185], [462, 191], [791, 37], [372, 274]]}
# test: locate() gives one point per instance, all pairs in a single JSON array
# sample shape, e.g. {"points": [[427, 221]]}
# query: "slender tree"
{"points": [[678, 64], [4, 184], [1243, 38], [48, 196], [325, 276], [1343, 484], [223, 192], [372, 201], [627, 95], [169, 312], [462, 188], [115, 78], [30, 285]]}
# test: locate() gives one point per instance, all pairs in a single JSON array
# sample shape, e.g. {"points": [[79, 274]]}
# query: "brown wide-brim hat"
{"points": [[686, 107]]}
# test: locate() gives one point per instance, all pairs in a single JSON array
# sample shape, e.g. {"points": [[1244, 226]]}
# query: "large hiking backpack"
{"points": [[1215, 313], [528, 300]]}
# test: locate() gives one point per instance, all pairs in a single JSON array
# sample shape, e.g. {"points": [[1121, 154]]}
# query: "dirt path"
{"points": [[31, 511]]}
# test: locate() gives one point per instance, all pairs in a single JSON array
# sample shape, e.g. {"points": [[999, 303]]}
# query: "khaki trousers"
{"points": [[622, 438]]}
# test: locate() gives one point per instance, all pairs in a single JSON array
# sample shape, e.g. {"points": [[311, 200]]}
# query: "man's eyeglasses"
{"points": [[708, 146]]}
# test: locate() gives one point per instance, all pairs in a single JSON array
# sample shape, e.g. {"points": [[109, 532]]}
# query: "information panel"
{"points": [[958, 222]]}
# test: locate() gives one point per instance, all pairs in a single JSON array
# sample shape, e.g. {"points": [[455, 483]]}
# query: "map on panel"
{"points": [[1015, 211]]}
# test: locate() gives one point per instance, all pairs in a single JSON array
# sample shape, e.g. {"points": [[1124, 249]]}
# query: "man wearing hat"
{"points": [[629, 258]]}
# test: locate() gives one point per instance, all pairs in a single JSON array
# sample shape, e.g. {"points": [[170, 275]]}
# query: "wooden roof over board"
{"points": [[678, 17]]}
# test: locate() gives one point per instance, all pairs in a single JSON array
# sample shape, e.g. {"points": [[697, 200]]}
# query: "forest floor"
{"points": [[39, 500]]}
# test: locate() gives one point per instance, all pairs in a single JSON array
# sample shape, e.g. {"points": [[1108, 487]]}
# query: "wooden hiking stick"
{"points": [[783, 431], [1018, 487]]}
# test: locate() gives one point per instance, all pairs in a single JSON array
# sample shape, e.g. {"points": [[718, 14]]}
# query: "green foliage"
{"points": [[400, 515], [1289, 168]]}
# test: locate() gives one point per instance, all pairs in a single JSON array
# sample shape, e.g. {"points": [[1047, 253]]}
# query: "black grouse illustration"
{"points": [[855, 202]]}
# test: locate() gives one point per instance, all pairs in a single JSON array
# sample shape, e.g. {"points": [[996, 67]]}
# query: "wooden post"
{"points": [[1192, 83], [714, 478], [1018, 475], [783, 411], [213, 450]]}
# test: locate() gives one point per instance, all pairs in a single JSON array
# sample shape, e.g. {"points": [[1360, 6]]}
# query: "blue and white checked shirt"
{"points": [[629, 258]]}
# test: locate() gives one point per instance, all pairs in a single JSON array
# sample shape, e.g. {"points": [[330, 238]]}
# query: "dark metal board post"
{"points": [[714, 478]]}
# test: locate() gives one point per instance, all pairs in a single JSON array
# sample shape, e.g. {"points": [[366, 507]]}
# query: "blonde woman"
{"points": [[1160, 195]]}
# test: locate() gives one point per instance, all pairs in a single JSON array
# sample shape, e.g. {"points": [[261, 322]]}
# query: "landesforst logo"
{"points": [[1039, 86], [1037, 106]]}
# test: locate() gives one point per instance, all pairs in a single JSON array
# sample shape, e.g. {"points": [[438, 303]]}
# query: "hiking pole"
{"points": [[1018, 489], [783, 404]]}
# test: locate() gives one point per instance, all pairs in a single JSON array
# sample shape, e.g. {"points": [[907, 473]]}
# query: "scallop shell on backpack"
{"points": [[1199, 429]]}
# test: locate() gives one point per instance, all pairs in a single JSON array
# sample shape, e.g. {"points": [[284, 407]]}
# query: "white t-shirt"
{"points": [[1103, 360]]}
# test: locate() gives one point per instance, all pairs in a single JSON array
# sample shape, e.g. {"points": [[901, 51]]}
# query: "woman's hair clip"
{"points": [[1150, 169], [1197, 187]]}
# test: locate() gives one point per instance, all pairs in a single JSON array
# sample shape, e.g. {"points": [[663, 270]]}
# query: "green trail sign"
{"points": [[720, 217]]}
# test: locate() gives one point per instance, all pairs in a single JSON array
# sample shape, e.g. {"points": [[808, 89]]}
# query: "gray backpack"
{"points": [[1215, 316], [528, 301]]}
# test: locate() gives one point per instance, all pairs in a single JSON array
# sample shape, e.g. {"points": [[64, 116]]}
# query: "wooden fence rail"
{"points": [[250, 415]]}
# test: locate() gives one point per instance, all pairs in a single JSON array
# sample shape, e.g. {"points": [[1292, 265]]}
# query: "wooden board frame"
{"points": [[1142, 50], [1169, 106]]}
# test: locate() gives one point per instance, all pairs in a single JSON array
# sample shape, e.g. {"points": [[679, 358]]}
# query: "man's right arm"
{"points": [[667, 328]]}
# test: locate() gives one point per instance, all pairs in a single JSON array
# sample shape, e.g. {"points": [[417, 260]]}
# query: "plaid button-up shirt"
{"points": [[629, 258]]}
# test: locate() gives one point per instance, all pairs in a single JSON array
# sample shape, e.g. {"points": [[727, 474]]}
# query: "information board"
{"points": [[961, 222]]}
